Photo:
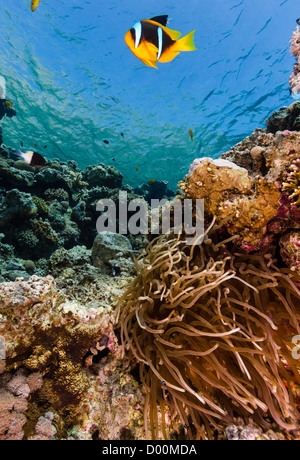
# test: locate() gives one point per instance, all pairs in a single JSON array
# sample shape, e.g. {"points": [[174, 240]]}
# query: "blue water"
{"points": [[74, 82]]}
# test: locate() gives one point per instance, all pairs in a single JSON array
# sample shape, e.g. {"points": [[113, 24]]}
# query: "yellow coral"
{"points": [[44, 230], [292, 186], [41, 205]]}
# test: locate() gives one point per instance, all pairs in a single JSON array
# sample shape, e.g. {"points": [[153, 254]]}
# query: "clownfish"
{"points": [[34, 4], [151, 41], [32, 158]]}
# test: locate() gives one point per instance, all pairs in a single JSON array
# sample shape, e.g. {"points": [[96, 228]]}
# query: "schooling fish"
{"points": [[34, 4], [32, 158], [151, 41]]}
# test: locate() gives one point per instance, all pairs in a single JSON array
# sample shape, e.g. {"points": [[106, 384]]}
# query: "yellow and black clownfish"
{"points": [[151, 41]]}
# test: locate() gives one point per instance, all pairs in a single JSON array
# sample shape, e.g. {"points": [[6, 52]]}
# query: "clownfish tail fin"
{"points": [[187, 42]]}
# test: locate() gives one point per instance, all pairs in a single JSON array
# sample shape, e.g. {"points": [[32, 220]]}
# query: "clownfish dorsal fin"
{"points": [[163, 19]]}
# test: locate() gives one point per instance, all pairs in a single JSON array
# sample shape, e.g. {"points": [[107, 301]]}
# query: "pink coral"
{"points": [[295, 50], [44, 430], [15, 389]]}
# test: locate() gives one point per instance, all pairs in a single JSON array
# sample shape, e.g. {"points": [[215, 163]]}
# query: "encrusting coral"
{"points": [[63, 376], [253, 186], [211, 329], [229, 193]]}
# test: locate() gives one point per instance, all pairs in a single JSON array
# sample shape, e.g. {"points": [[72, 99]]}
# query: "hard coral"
{"points": [[43, 230], [47, 342], [41, 205], [211, 330], [292, 183], [230, 194], [14, 392]]}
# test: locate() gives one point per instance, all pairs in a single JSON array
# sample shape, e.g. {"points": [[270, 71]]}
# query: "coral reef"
{"points": [[292, 183], [114, 251], [243, 432], [211, 329], [285, 119], [203, 345], [43, 210], [229, 193], [290, 250], [15, 390], [295, 50], [255, 192], [49, 387]]}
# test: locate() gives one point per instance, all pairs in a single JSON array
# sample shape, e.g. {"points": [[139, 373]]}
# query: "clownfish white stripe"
{"points": [[138, 33], [160, 41]]}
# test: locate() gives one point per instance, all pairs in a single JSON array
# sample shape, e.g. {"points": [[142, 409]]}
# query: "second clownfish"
{"points": [[151, 41]]}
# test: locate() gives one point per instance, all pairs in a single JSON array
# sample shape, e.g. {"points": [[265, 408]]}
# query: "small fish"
{"points": [[32, 158], [34, 4], [106, 141], [298, 21], [35, 144], [8, 103], [151, 181], [21, 144], [151, 41], [191, 134], [113, 159], [45, 146], [122, 134], [137, 169]]}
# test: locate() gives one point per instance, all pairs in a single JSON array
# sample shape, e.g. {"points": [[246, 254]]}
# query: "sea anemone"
{"points": [[212, 332]]}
